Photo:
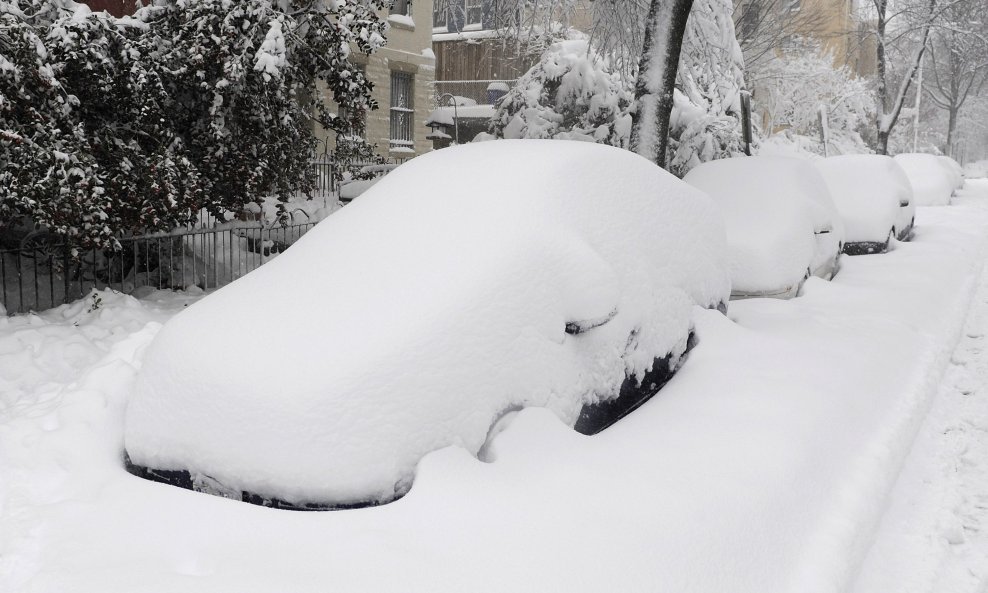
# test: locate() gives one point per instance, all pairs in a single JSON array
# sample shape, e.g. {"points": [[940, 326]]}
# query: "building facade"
{"points": [[402, 73]]}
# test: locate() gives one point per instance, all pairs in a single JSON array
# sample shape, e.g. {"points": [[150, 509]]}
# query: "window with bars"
{"points": [[402, 111], [402, 7], [474, 12]]}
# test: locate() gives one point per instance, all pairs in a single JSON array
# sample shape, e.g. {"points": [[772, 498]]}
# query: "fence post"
{"points": [[746, 121], [824, 129]]}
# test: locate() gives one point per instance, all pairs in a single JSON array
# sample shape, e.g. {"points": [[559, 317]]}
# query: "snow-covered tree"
{"points": [[570, 94], [706, 120], [666, 44], [957, 61], [902, 32], [662, 42], [796, 83], [115, 125]]}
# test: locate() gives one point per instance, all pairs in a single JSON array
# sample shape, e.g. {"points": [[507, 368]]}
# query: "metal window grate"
{"points": [[402, 111]]}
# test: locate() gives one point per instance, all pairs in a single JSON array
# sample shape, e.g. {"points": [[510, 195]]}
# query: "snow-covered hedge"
{"points": [[113, 125], [571, 94]]}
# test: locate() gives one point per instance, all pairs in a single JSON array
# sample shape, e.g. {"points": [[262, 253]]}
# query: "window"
{"points": [[402, 7], [439, 10], [750, 18], [474, 12], [401, 110]]}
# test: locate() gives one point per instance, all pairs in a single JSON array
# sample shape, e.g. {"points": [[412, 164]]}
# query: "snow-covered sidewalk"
{"points": [[765, 465]]}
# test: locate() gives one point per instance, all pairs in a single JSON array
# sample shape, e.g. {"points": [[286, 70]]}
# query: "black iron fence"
{"points": [[43, 275]]}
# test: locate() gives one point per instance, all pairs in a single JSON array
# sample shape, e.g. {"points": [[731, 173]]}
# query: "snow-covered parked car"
{"points": [[932, 183], [954, 171], [874, 198], [782, 225], [467, 284]]}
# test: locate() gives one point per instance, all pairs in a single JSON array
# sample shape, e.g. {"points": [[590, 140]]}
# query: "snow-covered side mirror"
{"points": [[584, 325]]}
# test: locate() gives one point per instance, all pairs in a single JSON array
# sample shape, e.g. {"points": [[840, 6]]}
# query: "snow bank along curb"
{"points": [[763, 466]]}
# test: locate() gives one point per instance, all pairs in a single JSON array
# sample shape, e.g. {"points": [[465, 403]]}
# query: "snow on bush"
{"points": [[868, 191], [772, 207], [932, 183], [571, 94], [328, 373], [135, 124], [793, 86]]}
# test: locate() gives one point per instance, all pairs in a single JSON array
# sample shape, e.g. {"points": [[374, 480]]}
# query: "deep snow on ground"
{"points": [[767, 464]]}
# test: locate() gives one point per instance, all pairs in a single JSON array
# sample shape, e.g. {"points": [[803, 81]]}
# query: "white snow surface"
{"points": [[765, 465], [934, 535], [868, 190], [772, 207], [932, 183], [410, 319]]}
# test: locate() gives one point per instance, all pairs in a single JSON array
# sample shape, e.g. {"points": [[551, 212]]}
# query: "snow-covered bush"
{"points": [[124, 125], [571, 94], [794, 85]]}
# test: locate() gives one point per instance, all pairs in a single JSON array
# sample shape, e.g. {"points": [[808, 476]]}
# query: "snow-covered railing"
{"points": [[475, 90], [40, 275]]}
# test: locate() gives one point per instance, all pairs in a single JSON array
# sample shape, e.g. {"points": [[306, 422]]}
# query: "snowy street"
{"points": [[770, 462], [493, 296]]}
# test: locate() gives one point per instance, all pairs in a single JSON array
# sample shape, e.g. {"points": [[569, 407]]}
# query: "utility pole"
{"points": [[919, 94]]}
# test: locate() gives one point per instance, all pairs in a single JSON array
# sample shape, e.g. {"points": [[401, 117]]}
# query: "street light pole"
{"points": [[456, 118]]}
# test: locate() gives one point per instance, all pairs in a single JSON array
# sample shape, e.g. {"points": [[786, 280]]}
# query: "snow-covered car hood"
{"points": [[780, 221], [410, 319]]}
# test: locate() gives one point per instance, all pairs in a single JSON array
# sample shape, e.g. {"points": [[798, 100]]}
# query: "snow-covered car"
{"points": [[782, 225], [469, 283], [874, 198], [932, 183], [954, 171]]}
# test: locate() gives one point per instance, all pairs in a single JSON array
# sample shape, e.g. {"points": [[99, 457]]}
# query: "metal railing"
{"points": [[42, 276]]}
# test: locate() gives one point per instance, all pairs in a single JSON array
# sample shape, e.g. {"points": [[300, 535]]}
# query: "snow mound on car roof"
{"points": [[932, 183], [868, 190], [409, 319], [770, 219]]}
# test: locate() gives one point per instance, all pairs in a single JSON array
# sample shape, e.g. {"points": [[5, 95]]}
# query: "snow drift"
{"points": [[415, 316]]}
